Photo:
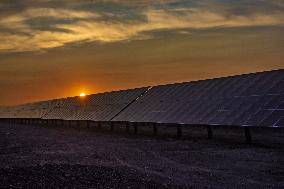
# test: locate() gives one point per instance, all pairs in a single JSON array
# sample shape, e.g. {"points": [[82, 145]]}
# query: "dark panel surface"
{"points": [[244, 100], [97, 107]]}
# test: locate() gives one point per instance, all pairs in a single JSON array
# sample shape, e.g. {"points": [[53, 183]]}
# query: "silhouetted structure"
{"points": [[250, 100]]}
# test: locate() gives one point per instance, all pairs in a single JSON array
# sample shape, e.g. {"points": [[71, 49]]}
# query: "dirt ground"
{"points": [[48, 157]]}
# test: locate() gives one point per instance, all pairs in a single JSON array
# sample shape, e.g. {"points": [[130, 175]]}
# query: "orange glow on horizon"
{"points": [[82, 94]]}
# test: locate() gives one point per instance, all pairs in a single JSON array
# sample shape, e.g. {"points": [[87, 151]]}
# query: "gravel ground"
{"points": [[41, 157]]}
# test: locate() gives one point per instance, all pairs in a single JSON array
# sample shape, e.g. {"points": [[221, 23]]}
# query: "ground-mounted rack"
{"points": [[248, 101]]}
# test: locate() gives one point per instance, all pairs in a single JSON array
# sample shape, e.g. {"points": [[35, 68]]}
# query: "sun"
{"points": [[82, 94]]}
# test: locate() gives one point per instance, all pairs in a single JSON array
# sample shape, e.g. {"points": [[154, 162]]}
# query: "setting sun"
{"points": [[82, 94]]}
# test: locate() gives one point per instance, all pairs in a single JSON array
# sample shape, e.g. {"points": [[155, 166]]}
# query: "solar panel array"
{"points": [[245, 100], [31, 110], [98, 107]]}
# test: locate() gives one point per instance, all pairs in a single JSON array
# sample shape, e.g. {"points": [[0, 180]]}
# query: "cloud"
{"points": [[37, 29]]}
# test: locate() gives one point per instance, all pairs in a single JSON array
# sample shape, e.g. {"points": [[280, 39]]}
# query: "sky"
{"points": [[58, 48]]}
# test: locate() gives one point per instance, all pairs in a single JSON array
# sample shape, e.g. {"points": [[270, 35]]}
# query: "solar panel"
{"points": [[239, 100], [31, 110], [244, 100], [280, 123], [97, 107]]}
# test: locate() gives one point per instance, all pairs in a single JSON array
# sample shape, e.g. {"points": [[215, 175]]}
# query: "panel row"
{"points": [[99, 107], [244, 100]]}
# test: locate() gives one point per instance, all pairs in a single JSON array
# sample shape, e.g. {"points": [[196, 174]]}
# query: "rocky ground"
{"points": [[45, 157]]}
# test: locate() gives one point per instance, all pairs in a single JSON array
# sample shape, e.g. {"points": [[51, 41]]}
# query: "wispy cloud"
{"points": [[40, 28]]}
